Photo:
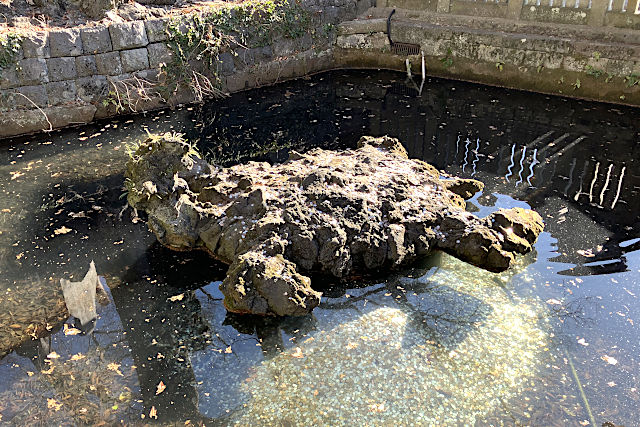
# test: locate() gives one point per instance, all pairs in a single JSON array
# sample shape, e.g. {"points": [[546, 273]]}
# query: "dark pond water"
{"points": [[553, 341]]}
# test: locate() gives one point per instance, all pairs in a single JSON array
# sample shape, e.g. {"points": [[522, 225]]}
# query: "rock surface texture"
{"points": [[342, 213]]}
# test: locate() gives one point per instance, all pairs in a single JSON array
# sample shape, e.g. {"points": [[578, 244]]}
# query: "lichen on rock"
{"points": [[343, 213]]}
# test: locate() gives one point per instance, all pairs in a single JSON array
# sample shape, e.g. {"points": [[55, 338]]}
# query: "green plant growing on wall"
{"points": [[540, 68], [10, 45], [593, 72], [632, 79], [500, 65], [608, 78], [447, 61], [596, 55], [197, 43], [577, 84]]}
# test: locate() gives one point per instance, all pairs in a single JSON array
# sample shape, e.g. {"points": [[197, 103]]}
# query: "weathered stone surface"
{"points": [[156, 29], [62, 68], [61, 92], [226, 63], [343, 213], [134, 59], [32, 71], [91, 88], [109, 64], [86, 65], [31, 95], [36, 46], [9, 78], [96, 40], [19, 122], [158, 53], [65, 43], [128, 35]]}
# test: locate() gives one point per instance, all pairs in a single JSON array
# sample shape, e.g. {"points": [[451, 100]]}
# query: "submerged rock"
{"points": [[343, 213]]}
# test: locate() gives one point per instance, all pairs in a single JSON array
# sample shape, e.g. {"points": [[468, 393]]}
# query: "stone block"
{"points": [[226, 63], [109, 64], [86, 65], [31, 95], [284, 47], [534, 59], [96, 40], [32, 71], [91, 88], [9, 78], [61, 92], [158, 53], [134, 59], [128, 35], [148, 75], [62, 69], [157, 29], [36, 46], [618, 67], [65, 43]]}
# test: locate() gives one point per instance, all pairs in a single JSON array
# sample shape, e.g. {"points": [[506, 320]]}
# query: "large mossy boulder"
{"points": [[343, 213]]}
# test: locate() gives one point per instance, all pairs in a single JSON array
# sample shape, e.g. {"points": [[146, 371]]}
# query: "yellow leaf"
{"points": [[610, 360], [53, 355], [115, 367], [71, 331], [153, 413], [161, 387], [176, 298], [77, 356], [297, 353], [53, 404], [62, 230], [228, 350]]}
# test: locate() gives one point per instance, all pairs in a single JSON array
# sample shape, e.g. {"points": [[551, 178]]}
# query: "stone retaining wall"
{"points": [[64, 76], [592, 63]]}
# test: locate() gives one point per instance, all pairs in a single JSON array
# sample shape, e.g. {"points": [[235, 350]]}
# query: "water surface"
{"points": [[553, 341]]}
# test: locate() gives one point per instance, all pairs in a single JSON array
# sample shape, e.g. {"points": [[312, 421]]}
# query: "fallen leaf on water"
{"points": [[153, 413], [228, 350], [15, 175], [115, 367], [62, 230], [53, 404], [297, 353], [553, 301], [161, 387], [71, 331], [611, 384], [53, 355], [584, 423], [176, 298], [377, 407], [581, 341], [77, 356], [586, 253], [610, 360]]}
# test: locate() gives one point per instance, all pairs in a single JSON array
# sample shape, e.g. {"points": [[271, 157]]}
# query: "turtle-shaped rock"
{"points": [[343, 213]]}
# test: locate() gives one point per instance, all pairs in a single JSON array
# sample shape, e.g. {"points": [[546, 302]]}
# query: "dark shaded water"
{"points": [[554, 341]]}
